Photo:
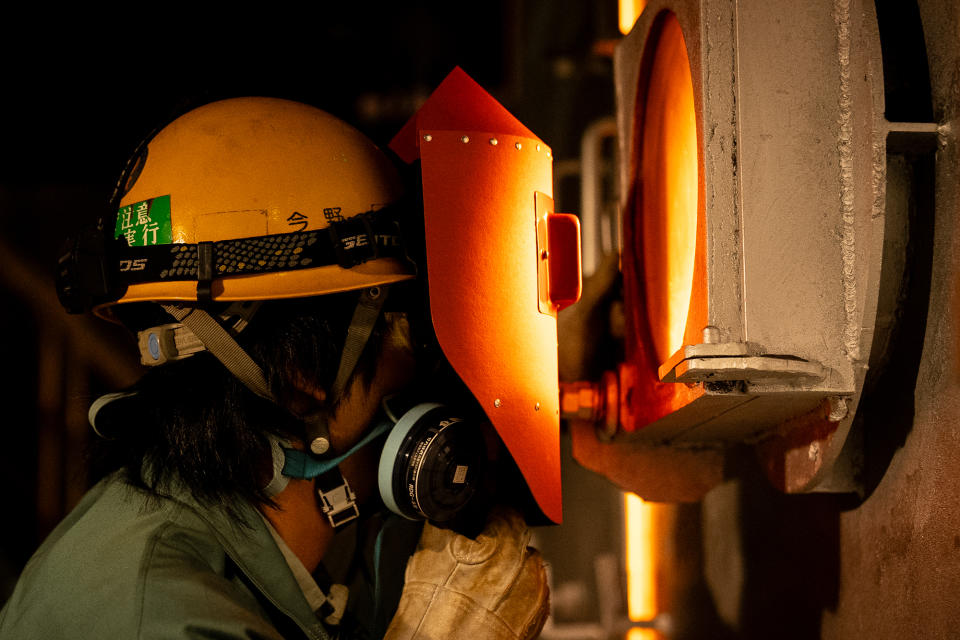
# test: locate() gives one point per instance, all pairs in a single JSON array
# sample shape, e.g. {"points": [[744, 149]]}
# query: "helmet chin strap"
{"points": [[358, 334], [199, 331], [337, 499], [224, 348]]}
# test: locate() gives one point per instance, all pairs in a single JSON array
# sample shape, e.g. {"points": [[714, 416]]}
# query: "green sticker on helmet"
{"points": [[146, 222]]}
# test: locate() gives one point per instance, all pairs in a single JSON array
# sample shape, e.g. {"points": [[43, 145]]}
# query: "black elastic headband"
{"points": [[96, 269]]}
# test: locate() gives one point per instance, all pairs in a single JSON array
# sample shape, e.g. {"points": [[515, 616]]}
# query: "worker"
{"points": [[274, 272]]}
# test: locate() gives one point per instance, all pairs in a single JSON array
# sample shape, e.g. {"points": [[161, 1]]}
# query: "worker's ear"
{"points": [[397, 335], [304, 397]]}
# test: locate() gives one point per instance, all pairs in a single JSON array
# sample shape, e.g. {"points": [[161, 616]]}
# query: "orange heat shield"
{"points": [[482, 171]]}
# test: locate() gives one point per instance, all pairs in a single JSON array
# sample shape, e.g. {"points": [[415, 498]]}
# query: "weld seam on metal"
{"points": [[851, 331], [879, 179], [738, 231]]}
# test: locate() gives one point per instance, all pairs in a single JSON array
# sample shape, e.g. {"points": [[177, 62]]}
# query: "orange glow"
{"points": [[630, 10], [641, 535], [669, 188]]}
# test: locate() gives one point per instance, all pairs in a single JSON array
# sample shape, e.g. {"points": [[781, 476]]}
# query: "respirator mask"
{"points": [[433, 465]]}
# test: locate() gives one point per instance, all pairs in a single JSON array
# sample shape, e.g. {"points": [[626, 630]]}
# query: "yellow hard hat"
{"points": [[251, 199]]}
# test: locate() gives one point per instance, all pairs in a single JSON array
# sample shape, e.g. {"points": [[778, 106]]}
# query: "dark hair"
{"points": [[194, 421]]}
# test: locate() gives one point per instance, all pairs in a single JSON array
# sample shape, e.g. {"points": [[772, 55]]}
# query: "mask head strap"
{"points": [[337, 499]]}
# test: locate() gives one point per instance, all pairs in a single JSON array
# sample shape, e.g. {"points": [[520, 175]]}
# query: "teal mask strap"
{"points": [[301, 464]]}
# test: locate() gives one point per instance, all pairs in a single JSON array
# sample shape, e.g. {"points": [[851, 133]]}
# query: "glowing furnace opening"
{"points": [[668, 187]]}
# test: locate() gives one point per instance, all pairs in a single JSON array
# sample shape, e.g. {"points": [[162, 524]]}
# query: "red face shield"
{"points": [[500, 263]]}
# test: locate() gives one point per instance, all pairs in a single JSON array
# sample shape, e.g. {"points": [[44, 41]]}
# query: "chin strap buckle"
{"points": [[339, 502]]}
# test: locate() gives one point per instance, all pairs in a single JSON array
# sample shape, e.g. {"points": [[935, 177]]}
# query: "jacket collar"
{"points": [[247, 541]]}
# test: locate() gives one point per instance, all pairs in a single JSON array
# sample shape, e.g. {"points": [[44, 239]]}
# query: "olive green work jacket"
{"points": [[127, 564]]}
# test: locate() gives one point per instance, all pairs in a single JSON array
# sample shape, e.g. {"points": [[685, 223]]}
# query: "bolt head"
{"points": [[320, 445], [711, 334]]}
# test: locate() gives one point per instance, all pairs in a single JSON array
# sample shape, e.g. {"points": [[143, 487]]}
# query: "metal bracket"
{"points": [[729, 361], [914, 137]]}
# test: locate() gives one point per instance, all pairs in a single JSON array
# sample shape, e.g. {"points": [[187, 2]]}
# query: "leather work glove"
{"points": [[491, 588]]}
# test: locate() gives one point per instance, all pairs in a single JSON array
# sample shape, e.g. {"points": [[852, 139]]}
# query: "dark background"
{"points": [[78, 99], [79, 91]]}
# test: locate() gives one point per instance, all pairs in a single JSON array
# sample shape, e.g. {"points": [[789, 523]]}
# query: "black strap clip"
{"points": [[205, 268], [367, 219]]}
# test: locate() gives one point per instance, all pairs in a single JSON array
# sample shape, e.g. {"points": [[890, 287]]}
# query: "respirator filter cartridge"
{"points": [[432, 463]]}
